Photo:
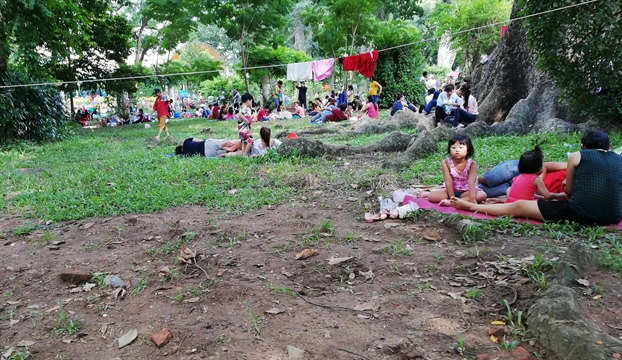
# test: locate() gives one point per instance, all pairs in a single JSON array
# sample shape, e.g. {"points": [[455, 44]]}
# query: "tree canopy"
{"points": [[579, 48]]}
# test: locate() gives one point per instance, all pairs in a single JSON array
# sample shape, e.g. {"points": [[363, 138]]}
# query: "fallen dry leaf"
{"points": [[286, 273], [88, 286], [119, 293], [494, 339], [597, 297], [599, 342], [186, 254], [305, 254], [335, 261], [368, 275], [192, 300], [25, 343], [274, 311], [366, 306], [497, 322], [583, 282]]}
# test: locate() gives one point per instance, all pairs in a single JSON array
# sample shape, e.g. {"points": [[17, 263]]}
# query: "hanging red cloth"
{"points": [[364, 63]]}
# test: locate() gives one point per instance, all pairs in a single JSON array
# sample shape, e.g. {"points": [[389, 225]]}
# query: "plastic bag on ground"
{"points": [[386, 204]]}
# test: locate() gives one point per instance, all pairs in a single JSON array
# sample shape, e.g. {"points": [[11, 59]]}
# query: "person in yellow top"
{"points": [[375, 90], [277, 93]]}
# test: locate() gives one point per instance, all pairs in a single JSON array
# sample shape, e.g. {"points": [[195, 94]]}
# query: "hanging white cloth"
{"points": [[300, 71]]}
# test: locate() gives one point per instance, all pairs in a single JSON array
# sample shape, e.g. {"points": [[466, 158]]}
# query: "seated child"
{"points": [[528, 183], [460, 174]]}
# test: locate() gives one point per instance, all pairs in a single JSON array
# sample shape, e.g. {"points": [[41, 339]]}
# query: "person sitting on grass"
{"points": [[400, 103], [529, 184], [338, 114], [593, 185], [300, 111], [264, 113], [371, 108], [460, 174]]}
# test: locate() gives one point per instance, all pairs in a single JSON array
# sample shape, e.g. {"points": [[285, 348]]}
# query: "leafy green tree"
{"points": [[341, 26], [579, 48], [462, 15], [221, 84], [251, 22], [229, 49], [398, 69], [263, 55], [400, 10], [192, 58]]}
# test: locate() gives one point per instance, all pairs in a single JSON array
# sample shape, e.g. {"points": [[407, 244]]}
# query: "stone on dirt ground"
{"points": [[515, 354], [75, 276], [295, 353], [162, 337]]}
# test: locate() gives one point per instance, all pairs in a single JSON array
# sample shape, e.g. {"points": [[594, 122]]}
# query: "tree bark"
{"points": [[138, 59]]}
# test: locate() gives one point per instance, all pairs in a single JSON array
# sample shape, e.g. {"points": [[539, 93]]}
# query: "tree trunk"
{"points": [[71, 101], [266, 92], [139, 42], [123, 104]]}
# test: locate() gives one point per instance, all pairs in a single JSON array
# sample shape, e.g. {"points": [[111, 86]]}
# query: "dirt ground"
{"points": [[249, 298]]}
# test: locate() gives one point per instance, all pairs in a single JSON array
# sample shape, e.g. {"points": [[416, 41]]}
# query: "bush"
{"points": [[398, 70], [216, 86], [33, 113]]}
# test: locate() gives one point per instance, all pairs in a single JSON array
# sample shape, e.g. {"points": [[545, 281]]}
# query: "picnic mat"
{"points": [[425, 204]]}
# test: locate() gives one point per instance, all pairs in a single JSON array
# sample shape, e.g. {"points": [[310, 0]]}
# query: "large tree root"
{"points": [[556, 319], [396, 141]]}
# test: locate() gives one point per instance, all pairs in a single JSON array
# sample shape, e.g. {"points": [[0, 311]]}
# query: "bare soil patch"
{"points": [[249, 298]]}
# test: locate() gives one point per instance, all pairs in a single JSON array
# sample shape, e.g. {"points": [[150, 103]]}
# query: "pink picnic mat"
{"points": [[425, 204]]}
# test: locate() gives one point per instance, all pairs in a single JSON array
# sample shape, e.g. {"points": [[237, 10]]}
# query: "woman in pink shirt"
{"points": [[467, 112], [371, 108]]}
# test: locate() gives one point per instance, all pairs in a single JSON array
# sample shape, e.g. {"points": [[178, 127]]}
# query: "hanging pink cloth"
{"points": [[322, 69]]}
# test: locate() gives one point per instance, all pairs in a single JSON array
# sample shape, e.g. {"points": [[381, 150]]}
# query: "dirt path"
{"points": [[409, 291]]}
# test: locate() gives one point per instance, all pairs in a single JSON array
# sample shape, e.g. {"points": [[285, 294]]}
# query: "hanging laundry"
{"points": [[322, 69], [365, 63], [299, 71]]}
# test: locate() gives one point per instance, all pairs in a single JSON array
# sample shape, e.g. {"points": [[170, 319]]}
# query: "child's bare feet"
{"points": [[445, 202], [460, 204]]}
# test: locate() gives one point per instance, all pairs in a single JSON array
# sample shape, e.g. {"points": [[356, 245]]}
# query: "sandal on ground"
{"points": [[369, 217]]}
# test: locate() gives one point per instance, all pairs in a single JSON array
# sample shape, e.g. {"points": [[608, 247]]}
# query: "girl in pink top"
{"points": [[528, 183], [460, 173], [371, 108]]}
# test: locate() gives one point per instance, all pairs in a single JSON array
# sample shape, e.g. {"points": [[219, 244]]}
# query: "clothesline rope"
{"points": [[59, 83]]}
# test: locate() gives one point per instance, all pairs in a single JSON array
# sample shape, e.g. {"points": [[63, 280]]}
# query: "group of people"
{"points": [[587, 189]]}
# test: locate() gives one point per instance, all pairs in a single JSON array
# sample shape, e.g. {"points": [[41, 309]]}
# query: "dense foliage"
{"points": [[397, 69], [462, 15], [579, 48], [29, 113]]}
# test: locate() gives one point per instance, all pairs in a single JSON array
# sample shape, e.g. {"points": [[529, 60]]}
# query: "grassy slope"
{"points": [[105, 172]]}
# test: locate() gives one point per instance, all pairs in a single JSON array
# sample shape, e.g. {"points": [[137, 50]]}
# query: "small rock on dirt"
{"points": [[75, 276], [54, 247], [114, 281], [127, 339], [411, 353], [516, 354], [497, 331], [335, 261], [162, 337], [295, 353]]}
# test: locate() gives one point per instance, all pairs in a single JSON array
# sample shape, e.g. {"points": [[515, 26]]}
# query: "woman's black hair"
{"points": [[399, 96], [179, 150], [449, 87], [531, 161], [371, 100], [246, 97], [350, 87], [230, 110], [595, 139], [463, 140], [343, 106], [264, 133], [431, 91], [466, 93]]}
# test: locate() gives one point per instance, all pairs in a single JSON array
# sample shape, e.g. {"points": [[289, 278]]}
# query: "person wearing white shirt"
{"points": [[446, 103], [467, 112]]}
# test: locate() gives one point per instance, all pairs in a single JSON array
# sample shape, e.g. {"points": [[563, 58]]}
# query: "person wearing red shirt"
{"points": [[161, 107], [215, 111], [264, 114], [337, 114]]}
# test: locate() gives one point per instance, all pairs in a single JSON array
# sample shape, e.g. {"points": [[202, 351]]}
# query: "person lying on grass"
{"points": [[593, 185], [460, 173], [496, 181], [259, 148]]}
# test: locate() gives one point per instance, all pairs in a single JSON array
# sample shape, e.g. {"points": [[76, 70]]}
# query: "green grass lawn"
{"points": [[108, 172]]}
